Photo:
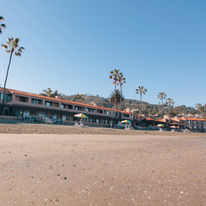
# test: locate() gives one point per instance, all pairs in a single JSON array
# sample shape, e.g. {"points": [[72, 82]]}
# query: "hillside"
{"points": [[134, 105]]}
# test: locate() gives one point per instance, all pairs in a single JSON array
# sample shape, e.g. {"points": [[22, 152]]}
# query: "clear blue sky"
{"points": [[71, 45]]}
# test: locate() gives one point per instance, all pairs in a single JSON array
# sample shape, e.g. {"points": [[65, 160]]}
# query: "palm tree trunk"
{"points": [[140, 104], [162, 107], [121, 96], [7, 73], [115, 89]]}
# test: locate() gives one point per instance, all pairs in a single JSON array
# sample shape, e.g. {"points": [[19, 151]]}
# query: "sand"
{"points": [[29, 128], [100, 169]]}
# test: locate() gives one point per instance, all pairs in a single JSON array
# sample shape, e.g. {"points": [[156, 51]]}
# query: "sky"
{"points": [[72, 45]]}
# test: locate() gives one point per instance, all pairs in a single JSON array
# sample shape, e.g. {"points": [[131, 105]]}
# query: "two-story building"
{"points": [[46, 109]]}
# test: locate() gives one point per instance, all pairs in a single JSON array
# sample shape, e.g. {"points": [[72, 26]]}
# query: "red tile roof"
{"points": [[195, 119]]}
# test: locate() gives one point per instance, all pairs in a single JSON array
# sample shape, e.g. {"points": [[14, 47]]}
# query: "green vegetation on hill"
{"points": [[134, 105]]}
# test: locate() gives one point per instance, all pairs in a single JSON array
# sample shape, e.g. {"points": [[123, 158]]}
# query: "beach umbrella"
{"points": [[125, 121], [160, 125], [81, 115]]}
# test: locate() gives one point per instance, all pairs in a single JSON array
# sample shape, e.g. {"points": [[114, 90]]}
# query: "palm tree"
{"points": [[141, 91], [121, 81], [116, 97], [2, 26], [170, 102], [78, 97], [162, 96], [49, 93], [12, 47], [114, 75]]}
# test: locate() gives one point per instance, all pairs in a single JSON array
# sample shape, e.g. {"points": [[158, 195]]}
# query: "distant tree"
{"points": [[116, 98], [114, 75], [49, 93], [162, 96], [201, 109], [78, 97], [170, 102], [183, 110], [2, 26], [141, 91], [12, 47]]}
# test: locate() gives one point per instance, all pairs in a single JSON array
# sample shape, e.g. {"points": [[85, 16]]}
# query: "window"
{"points": [[125, 115], [23, 99], [79, 108], [55, 104], [63, 106], [7, 97], [36, 101], [99, 111], [106, 112], [48, 103], [90, 110], [70, 106]]}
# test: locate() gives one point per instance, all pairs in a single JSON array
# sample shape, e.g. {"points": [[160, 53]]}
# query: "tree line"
{"points": [[117, 97]]}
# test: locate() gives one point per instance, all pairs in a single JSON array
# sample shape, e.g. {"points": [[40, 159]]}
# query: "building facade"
{"points": [[46, 109]]}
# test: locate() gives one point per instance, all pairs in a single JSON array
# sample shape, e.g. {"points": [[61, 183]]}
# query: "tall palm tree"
{"points": [[121, 81], [50, 93], [2, 26], [114, 75], [141, 91], [162, 96], [12, 47]]}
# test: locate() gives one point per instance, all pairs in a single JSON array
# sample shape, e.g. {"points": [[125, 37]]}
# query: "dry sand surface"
{"points": [[101, 168]]}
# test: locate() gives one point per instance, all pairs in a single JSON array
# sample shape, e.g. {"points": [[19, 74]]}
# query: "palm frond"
{"points": [[3, 26], [17, 54], [4, 46], [10, 41]]}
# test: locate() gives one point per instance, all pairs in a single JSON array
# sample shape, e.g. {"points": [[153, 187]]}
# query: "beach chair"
{"points": [[81, 124], [76, 124]]}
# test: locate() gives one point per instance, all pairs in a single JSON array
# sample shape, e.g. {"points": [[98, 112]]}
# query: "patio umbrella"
{"points": [[160, 125], [81, 115], [125, 121]]}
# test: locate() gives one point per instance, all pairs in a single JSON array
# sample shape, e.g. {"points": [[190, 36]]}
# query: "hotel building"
{"points": [[46, 109]]}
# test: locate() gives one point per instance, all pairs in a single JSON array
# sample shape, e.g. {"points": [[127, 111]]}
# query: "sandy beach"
{"points": [[99, 167]]}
